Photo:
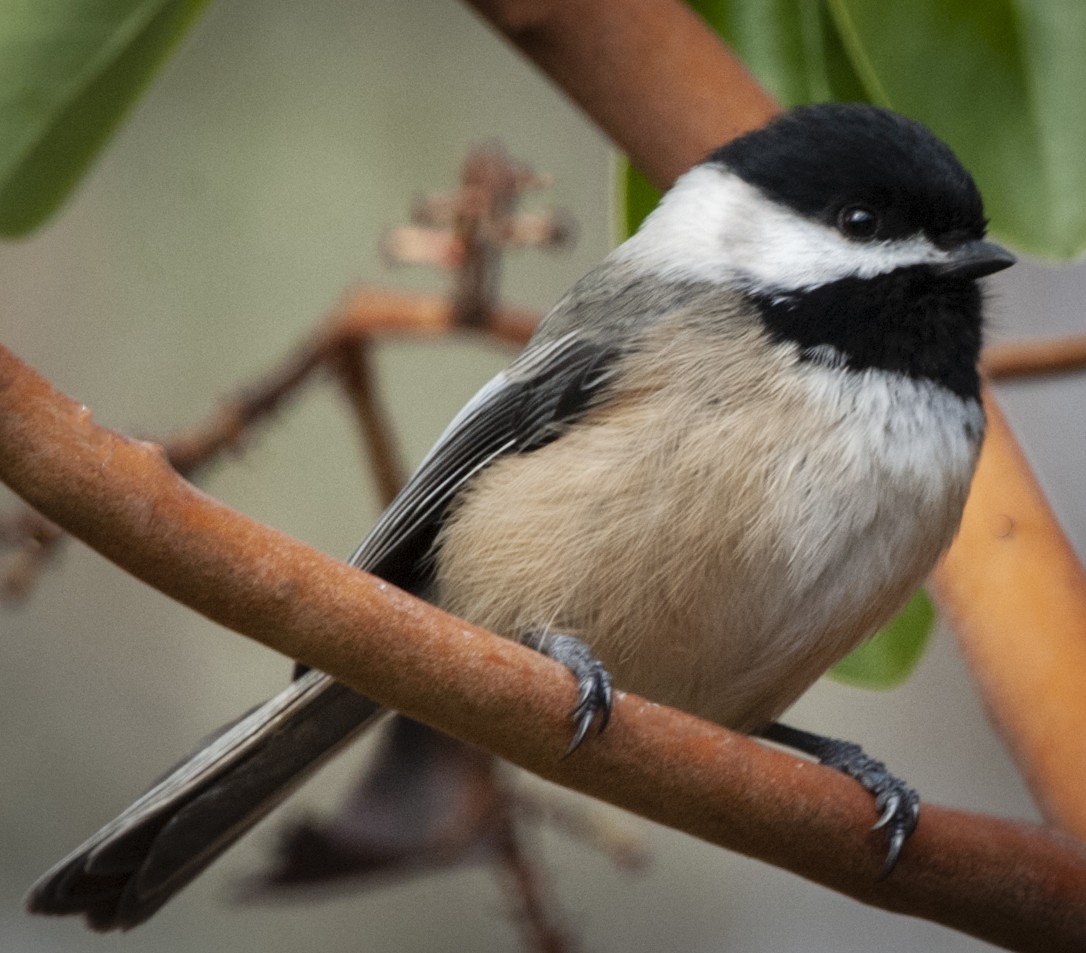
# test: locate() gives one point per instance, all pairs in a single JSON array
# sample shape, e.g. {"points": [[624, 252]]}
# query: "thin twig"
{"points": [[491, 188], [354, 370], [528, 889], [467, 231], [197, 448]]}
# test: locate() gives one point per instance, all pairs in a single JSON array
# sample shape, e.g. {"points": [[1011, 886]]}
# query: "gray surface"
{"points": [[249, 189]]}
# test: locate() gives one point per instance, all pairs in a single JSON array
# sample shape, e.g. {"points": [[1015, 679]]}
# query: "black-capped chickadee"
{"points": [[729, 454]]}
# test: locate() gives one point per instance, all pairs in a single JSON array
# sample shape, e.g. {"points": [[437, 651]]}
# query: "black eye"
{"points": [[858, 221]]}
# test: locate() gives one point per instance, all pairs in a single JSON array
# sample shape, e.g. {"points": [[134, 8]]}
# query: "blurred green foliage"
{"points": [[888, 658], [69, 71]]}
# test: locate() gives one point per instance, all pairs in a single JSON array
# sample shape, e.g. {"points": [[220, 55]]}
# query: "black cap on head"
{"points": [[825, 158]]}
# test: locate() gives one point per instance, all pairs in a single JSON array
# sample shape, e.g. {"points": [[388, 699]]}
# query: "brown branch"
{"points": [[647, 72], [1035, 358], [1011, 884], [191, 451], [354, 369], [492, 185], [657, 81], [386, 313], [1017, 601], [342, 344]]}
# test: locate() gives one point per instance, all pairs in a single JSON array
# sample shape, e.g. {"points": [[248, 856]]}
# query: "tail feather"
{"points": [[134, 864]]}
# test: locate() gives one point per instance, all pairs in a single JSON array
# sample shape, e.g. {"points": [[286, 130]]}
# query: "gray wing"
{"points": [[522, 408]]}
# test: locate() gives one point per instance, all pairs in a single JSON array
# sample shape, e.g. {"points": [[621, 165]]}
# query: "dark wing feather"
{"points": [[522, 408], [123, 873]]}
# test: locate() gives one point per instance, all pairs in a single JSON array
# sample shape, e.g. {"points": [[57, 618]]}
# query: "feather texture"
{"points": [[688, 533]]}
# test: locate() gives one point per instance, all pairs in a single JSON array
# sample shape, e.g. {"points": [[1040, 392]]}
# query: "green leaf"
{"points": [[792, 46], [639, 197], [69, 70], [1002, 82], [889, 657]]}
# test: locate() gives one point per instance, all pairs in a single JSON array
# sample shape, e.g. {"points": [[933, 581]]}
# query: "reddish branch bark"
{"points": [[1011, 884], [342, 345], [1015, 596], [667, 91]]}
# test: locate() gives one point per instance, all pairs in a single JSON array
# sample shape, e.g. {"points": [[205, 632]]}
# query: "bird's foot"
{"points": [[594, 696], [897, 803]]}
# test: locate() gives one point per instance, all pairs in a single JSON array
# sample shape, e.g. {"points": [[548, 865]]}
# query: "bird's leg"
{"points": [[898, 804], [593, 680]]}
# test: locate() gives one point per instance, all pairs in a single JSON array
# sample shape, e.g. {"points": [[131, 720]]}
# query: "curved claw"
{"points": [[898, 836], [594, 692], [582, 725], [897, 803], [900, 807], [594, 698], [892, 805]]}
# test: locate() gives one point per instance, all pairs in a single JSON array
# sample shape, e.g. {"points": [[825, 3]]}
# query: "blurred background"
{"points": [[247, 193]]}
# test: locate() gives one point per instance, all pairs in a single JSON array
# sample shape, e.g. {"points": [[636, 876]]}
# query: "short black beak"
{"points": [[974, 259]]}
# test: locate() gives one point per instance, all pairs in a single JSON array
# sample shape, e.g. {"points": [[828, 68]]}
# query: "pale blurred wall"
{"points": [[246, 193]]}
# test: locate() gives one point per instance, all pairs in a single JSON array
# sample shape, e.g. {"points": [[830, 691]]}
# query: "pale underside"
{"points": [[720, 545]]}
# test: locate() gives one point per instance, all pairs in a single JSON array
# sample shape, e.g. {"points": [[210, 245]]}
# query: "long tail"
{"points": [[134, 864]]}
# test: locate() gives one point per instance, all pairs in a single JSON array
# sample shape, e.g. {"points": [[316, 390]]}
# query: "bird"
{"points": [[726, 457]]}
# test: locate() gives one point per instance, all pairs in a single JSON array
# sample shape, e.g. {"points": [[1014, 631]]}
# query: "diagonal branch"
{"points": [[649, 73], [1012, 884]]}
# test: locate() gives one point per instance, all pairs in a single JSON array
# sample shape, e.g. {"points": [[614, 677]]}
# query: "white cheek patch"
{"points": [[713, 226]]}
